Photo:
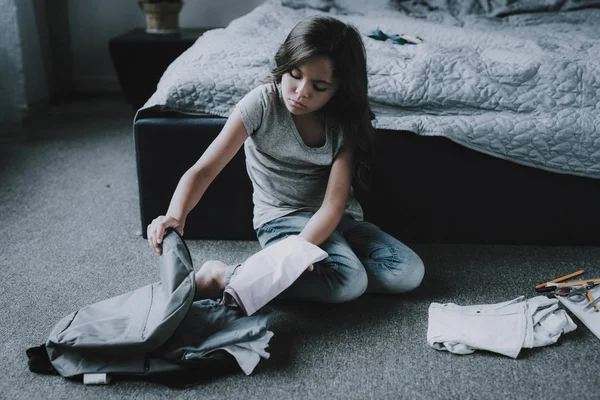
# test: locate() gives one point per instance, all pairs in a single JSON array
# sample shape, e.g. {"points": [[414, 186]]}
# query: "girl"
{"points": [[306, 134]]}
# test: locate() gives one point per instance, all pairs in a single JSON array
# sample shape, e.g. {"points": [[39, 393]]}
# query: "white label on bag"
{"points": [[96, 379]]}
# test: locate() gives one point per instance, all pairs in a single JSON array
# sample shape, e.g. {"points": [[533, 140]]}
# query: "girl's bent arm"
{"points": [[196, 180], [323, 223]]}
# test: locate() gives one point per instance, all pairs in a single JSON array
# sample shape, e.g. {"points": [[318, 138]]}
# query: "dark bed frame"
{"points": [[424, 190]]}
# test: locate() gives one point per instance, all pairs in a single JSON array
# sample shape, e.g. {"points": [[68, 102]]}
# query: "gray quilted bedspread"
{"points": [[525, 87]]}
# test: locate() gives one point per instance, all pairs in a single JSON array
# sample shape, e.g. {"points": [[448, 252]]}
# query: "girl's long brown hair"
{"points": [[342, 43]]}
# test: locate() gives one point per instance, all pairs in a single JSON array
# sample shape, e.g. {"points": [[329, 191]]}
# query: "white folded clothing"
{"points": [[546, 322], [503, 328], [269, 272]]}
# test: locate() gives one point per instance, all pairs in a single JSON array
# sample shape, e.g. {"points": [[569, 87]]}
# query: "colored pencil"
{"points": [[562, 278]]}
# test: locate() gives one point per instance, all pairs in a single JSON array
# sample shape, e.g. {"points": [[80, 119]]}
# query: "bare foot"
{"points": [[210, 280]]}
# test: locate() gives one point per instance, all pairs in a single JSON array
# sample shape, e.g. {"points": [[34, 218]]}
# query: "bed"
{"points": [[488, 131]]}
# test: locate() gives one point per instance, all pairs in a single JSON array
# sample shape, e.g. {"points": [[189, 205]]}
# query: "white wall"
{"points": [[92, 23]]}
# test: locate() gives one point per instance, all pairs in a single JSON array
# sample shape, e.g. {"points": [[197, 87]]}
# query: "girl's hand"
{"points": [[157, 228]]}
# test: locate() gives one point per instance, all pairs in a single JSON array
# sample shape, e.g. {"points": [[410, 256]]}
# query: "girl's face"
{"points": [[309, 86]]}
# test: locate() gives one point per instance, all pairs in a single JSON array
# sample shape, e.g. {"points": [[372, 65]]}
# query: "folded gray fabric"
{"points": [[503, 328]]}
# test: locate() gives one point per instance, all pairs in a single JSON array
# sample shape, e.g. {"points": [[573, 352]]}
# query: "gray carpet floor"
{"points": [[70, 236]]}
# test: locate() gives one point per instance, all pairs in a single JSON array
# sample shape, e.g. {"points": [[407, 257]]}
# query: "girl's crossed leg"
{"points": [[362, 258]]}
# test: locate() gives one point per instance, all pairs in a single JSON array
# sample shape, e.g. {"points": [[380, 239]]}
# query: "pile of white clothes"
{"points": [[502, 328]]}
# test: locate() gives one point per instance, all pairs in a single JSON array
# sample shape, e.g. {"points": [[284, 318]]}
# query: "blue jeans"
{"points": [[362, 258]]}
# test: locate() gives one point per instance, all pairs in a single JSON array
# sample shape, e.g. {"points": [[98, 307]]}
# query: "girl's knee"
{"points": [[347, 286], [415, 274], [405, 276]]}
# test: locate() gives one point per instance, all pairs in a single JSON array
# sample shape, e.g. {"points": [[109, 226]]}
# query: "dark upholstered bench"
{"points": [[425, 190]]}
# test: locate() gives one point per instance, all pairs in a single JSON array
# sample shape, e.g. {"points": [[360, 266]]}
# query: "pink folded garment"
{"points": [[269, 272]]}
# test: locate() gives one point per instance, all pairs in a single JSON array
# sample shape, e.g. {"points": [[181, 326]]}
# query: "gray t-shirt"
{"points": [[286, 174]]}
